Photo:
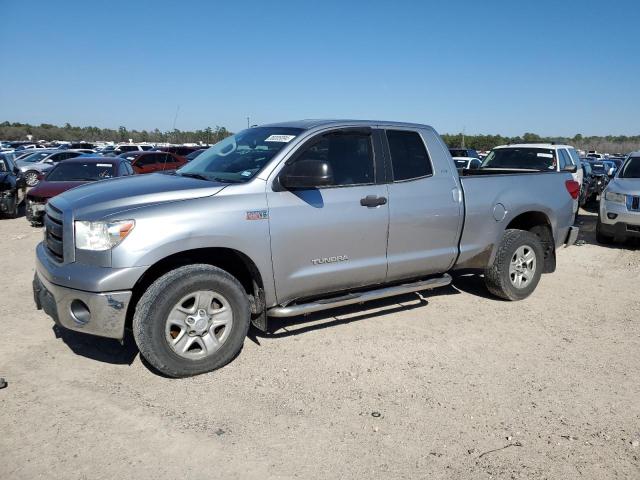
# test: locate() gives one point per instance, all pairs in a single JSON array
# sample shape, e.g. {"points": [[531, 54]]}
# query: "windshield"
{"points": [[35, 157], [79, 172], [527, 157], [631, 168], [239, 158]]}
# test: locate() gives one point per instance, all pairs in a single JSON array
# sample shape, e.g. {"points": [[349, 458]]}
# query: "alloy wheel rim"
{"points": [[522, 266], [199, 324]]}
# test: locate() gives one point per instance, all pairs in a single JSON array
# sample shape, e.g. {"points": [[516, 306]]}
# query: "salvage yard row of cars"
{"points": [[292, 218]]}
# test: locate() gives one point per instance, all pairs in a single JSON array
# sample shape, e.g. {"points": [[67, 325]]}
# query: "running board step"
{"points": [[360, 297]]}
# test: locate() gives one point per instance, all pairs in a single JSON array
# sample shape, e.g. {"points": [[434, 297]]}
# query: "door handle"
{"points": [[372, 201]]}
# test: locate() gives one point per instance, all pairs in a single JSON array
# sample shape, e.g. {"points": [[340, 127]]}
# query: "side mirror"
{"points": [[611, 172], [16, 170], [307, 174], [570, 169], [49, 161]]}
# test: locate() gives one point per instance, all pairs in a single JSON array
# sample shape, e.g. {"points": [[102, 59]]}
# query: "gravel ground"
{"points": [[452, 384]]}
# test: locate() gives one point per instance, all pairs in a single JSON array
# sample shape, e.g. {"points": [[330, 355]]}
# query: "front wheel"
{"points": [[517, 266], [191, 320], [602, 237]]}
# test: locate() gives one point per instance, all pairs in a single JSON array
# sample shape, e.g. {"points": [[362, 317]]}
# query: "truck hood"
{"points": [[106, 197], [628, 186]]}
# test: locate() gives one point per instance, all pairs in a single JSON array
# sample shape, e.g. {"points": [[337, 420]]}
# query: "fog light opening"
{"points": [[80, 312], [612, 216]]}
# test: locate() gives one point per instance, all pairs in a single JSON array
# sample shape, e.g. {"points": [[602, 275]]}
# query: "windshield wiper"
{"points": [[226, 180], [194, 175]]}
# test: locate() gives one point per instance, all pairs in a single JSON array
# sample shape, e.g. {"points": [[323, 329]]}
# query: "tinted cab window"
{"points": [[409, 158], [350, 156]]}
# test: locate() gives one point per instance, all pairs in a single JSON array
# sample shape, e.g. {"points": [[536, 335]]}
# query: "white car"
{"points": [[619, 215], [537, 156]]}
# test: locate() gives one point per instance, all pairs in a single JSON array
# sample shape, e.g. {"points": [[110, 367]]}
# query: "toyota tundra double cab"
{"points": [[283, 220]]}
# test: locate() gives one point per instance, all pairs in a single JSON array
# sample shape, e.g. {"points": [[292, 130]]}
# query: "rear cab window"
{"points": [[409, 157]]}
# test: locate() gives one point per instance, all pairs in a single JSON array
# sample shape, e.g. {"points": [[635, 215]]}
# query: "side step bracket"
{"points": [[360, 297]]}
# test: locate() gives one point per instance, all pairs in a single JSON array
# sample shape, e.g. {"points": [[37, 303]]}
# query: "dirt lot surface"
{"points": [[454, 385]]}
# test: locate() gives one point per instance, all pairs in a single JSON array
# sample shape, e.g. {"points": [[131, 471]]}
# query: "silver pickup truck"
{"points": [[283, 220]]}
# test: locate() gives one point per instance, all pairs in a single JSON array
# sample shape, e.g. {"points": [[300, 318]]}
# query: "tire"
{"points": [[602, 237], [31, 178], [154, 332], [501, 277]]}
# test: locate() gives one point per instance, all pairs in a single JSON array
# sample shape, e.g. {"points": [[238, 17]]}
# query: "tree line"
{"points": [[68, 132], [605, 144]]}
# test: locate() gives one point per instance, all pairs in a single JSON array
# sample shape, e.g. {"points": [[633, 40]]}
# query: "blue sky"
{"points": [[550, 67]]}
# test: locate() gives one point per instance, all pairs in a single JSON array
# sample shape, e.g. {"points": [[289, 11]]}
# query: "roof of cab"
{"points": [[314, 123], [534, 145]]}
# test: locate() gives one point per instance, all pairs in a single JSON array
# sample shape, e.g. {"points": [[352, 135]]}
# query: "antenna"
{"points": [[175, 119]]}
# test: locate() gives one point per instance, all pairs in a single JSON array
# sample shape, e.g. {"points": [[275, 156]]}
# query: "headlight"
{"points": [[615, 197], [101, 235]]}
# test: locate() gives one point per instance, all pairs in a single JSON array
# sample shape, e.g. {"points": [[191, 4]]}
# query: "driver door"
{"points": [[328, 239]]}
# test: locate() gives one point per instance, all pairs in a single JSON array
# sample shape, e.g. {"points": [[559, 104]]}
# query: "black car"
{"points": [[602, 172], [13, 187], [588, 192]]}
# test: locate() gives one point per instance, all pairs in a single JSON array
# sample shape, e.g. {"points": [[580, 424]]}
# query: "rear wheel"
{"points": [[517, 267], [191, 320]]}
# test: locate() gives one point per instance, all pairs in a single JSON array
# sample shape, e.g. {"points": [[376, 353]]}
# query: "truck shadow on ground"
{"points": [[291, 326], [102, 349]]}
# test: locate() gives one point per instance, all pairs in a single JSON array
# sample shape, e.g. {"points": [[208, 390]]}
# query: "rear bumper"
{"points": [[101, 314]]}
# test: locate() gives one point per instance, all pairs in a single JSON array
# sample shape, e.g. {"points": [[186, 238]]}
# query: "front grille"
{"points": [[53, 236]]}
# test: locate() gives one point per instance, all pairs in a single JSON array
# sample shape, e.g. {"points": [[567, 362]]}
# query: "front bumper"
{"points": [[35, 211], [7, 202], [101, 314]]}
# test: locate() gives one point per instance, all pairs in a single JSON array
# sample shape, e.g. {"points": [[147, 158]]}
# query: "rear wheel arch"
{"points": [[539, 224]]}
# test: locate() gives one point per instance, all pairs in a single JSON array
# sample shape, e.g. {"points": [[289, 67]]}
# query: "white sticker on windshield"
{"points": [[280, 138], [105, 165], [246, 173], [545, 155]]}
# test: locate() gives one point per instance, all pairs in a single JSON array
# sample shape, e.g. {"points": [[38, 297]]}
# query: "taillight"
{"points": [[40, 177], [573, 188]]}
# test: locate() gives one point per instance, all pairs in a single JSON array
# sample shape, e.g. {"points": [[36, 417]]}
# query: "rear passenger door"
{"points": [[425, 211]]}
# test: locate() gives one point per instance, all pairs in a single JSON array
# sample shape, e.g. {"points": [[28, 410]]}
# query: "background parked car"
{"points": [[69, 174], [39, 163], [180, 150], [467, 163], [589, 190], [464, 152], [13, 188], [194, 154], [619, 212], [154, 161]]}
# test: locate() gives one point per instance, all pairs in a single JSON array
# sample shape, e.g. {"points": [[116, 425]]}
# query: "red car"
{"points": [[153, 161], [69, 174]]}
